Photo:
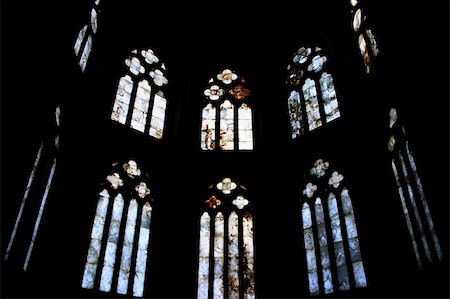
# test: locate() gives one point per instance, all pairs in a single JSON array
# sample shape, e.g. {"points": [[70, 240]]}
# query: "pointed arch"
{"points": [[333, 255], [120, 236], [143, 90], [312, 99], [226, 243], [227, 117]]}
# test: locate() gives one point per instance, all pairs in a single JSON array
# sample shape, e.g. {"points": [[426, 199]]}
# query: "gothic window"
{"points": [[333, 255], [226, 249], [312, 101], [226, 116], [117, 255], [415, 207], [83, 43], [367, 43], [42, 172], [140, 101]]}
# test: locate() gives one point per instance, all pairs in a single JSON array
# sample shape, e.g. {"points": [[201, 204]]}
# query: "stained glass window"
{"points": [[227, 118], [424, 241], [226, 246], [83, 43], [367, 44], [312, 100], [115, 263], [332, 249], [143, 89]]}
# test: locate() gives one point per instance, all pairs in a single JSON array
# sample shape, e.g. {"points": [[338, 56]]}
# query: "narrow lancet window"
{"points": [[226, 246], [312, 101], [37, 191], [227, 118], [424, 241], [367, 43], [143, 90], [329, 232], [117, 261], [83, 43]]}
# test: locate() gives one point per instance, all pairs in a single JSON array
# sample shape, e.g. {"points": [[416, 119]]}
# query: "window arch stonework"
{"points": [[333, 256]]}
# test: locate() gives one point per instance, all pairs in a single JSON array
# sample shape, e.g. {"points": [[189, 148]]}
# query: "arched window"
{"points": [[415, 207], [83, 43], [140, 102], [333, 255], [226, 249], [119, 245], [226, 117], [45, 165], [367, 43], [312, 100]]}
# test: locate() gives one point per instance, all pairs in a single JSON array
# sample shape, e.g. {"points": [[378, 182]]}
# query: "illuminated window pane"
{"points": [[295, 114], [233, 256], [324, 257], [357, 20], [330, 103], [312, 104], [372, 42], [364, 52], [245, 127], [122, 102], [94, 20], [158, 115], [247, 231], [127, 248], [141, 259], [79, 40], [90, 269], [86, 51], [111, 245], [208, 134], [317, 63], [339, 253], [141, 103], [203, 267], [218, 284], [308, 237], [227, 126]]}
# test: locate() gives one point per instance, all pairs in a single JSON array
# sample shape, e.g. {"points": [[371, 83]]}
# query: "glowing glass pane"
{"points": [[96, 241], [295, 114], [330, 103], [141, 104], [226, 126], [122, 102], [312, 104], [86, 51], [364, 52], [317, 63], [357, 20], [79, 40], [111, 245], [158, 116], [324, 256], [248, 267], [313, 278], [245, 133], [141, 259], [203, 264], [218, 284], [233, 256], [94, 20], [127, 249], [208, 134]]}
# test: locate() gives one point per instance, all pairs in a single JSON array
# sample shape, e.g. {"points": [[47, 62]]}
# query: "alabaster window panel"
{"points": [[226, 246], [227, 118], [312, 101], [140, 102], [83, 43], [416, 211], [120, 236], [331, 242]]}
